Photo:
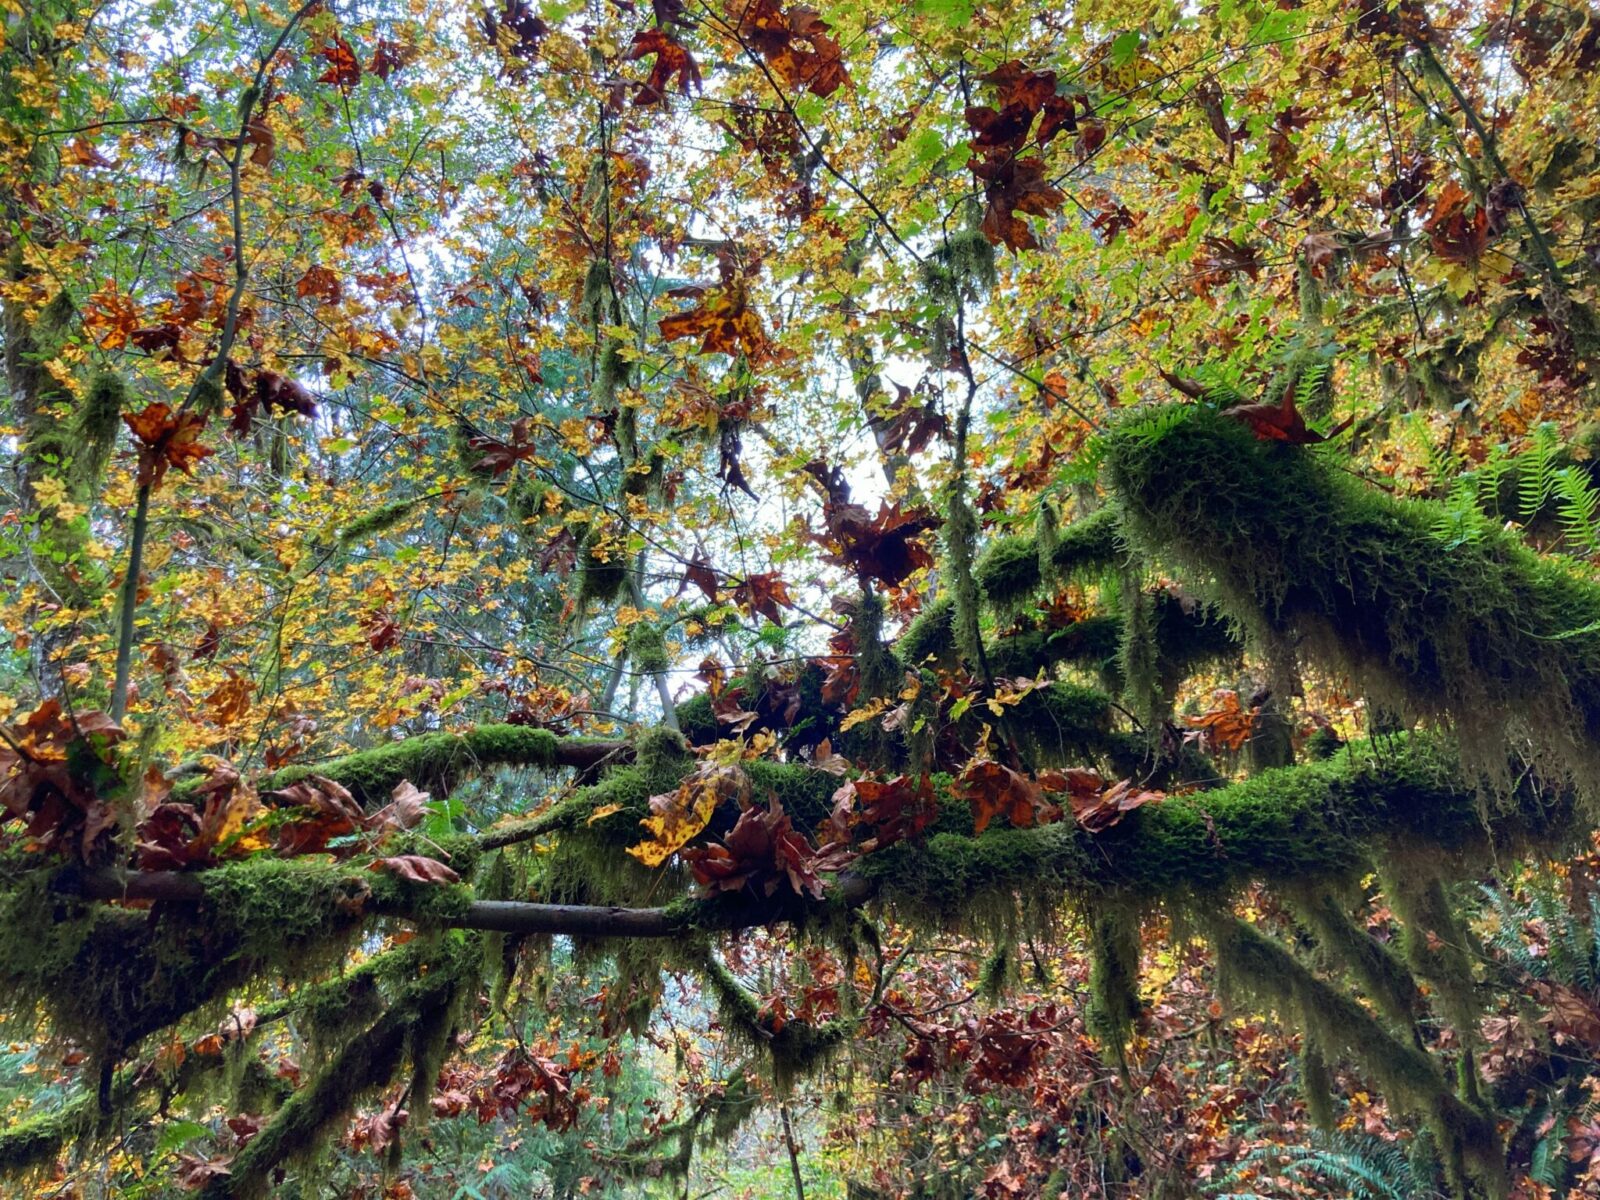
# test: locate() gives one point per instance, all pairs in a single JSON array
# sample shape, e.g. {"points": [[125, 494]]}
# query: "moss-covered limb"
{"points": [[108, 977], [1253, 965], [1319, 820], [436, 762], [726, 1106], [36, 1141], [1368, 963], [367, 1062], [1015, 569], [1458, 625]]}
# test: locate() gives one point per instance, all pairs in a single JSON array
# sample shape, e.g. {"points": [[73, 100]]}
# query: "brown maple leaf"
{"points": [[994, 789], [884, 547], [344, 69], [1111, 805], [388, 57], [415, 868], [321, 283], [765, 594], [166, 439], [1282, 422], [722, 320], [1458, 227], [795, 44], [1013, 185], [672, 60]]}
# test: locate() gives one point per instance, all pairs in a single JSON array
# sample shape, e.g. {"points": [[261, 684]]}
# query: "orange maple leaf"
{"points": [[166, 439]]}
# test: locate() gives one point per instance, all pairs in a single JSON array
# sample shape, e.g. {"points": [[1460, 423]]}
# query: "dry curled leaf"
{"points": [[415, 868]]}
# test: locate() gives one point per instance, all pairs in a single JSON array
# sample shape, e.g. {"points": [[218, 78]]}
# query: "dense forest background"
{"points": [[731, 599]]}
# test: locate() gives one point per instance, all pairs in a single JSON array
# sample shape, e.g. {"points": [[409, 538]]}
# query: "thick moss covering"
{"points": [[434, 762], [1321, 819], [1015, 569], [109, 976], [1462, 627]]}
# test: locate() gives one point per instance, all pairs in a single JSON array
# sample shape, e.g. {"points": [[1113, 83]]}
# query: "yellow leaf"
{"points": [[865, 713], [675, 817], [605, 810]]}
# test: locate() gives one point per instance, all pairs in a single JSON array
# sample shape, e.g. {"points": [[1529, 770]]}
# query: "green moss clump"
{"points": [[108, 977], [208, 397], [1091, 643], [697, 720], [380, 520], [599, 579], [930, 634], [1462, 627], [1089, 544], [100, 420], [1015, 569], [1059, 724], [434, 762], [1007, 572], [647, 649], [1316, 1086]]}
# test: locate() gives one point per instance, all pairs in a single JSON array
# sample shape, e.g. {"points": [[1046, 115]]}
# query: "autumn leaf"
{"points": [[415, 868], [699, 572], [795, 44], [672, 60], [1458, 227], [344, 70], [677, 816], [498, 457], [258, 134], [762, 851], [722, 321], [321, 283], [166, 439], [389, 56], [328, 811], [1100, 812], [894, 809], [407, 808], [884, 547], [81, 153], [1281, 422], [1228, 725], [1012, 185], [993, 789], [764, 594], [110, 317]]}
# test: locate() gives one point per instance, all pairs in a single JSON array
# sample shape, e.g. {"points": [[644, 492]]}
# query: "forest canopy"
{"points": [[731, 598]]}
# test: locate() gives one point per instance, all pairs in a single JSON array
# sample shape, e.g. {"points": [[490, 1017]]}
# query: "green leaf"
{"points": [[179, 1133]]}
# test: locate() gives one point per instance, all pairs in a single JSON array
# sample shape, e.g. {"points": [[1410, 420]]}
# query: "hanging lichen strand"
{"points": [[1467, 628]]}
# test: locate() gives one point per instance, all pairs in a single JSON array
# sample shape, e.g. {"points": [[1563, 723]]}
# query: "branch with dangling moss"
{"points": [[1320, 820], [366, 1063], [1460, 625], [437, 762]]}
